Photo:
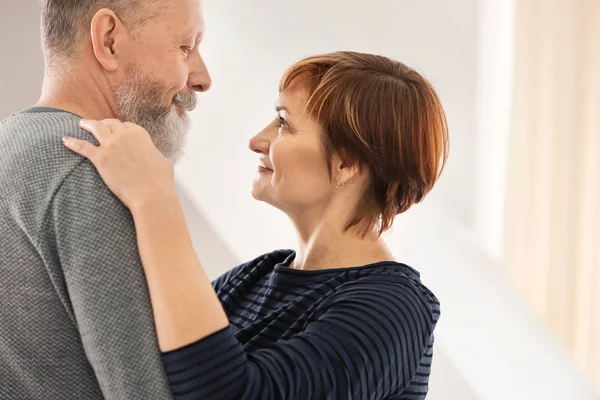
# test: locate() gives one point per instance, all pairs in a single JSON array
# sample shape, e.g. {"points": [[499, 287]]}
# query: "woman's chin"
{"points": [[258, 191], [260, 194]]}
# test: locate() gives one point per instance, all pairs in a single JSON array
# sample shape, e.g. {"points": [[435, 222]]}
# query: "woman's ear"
{"points": [[344, 171], [106, 32]]}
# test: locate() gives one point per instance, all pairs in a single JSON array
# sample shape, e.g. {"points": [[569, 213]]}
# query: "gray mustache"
{"points": [[186, 100]]}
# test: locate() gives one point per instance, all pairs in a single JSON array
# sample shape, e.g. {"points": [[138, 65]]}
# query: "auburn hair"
{"points": [[383, 116]]}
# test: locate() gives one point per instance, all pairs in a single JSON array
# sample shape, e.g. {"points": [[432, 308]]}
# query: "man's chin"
{"points": [[180, 111], [175, 158]]}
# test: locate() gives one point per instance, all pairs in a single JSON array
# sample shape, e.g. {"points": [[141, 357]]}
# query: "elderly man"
{"points": [[76, 320]]}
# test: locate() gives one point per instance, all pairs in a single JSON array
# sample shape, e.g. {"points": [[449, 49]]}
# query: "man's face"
{"points": [[164, 71]]}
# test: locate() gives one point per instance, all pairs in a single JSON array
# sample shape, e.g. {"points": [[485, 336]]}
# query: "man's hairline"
{"points": [[136, 21]]}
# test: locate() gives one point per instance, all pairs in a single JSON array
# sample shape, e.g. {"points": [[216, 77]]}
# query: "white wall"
{"points": [[494, 111]]}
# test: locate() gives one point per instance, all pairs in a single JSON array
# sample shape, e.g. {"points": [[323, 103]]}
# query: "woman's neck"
{"points": [[328, 249]]}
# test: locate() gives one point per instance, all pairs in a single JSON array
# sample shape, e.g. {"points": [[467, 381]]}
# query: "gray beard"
{"points": [[139, 100]]}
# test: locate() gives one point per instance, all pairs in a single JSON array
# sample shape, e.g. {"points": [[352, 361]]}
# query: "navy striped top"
{"points": [[352, 333]]}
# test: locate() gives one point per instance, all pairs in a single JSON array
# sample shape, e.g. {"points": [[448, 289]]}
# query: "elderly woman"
{"points": [[357, 139]]}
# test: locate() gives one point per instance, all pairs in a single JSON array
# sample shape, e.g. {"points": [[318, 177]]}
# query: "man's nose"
{"points": [[199, 79]]}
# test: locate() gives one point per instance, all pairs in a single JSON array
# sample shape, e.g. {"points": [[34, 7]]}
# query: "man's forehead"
{"points": [[186, 20], [177, 9]]}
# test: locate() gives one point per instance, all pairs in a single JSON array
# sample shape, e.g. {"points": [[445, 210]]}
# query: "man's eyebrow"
{"points": [[197, 38]]}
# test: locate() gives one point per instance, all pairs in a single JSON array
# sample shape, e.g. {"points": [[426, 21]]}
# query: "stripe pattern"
{"points": [[351, 333]]}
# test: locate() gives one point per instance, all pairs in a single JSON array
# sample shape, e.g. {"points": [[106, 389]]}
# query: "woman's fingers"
{"points": [[130, 125], [104, 129], [101, 131], [81, 147], [114, 125]]}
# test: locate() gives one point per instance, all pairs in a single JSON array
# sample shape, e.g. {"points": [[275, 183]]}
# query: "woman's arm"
{"points": [[186, 307]]}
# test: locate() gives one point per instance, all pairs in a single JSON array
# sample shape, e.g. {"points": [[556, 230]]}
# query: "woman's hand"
{"points": [[127, 160]]}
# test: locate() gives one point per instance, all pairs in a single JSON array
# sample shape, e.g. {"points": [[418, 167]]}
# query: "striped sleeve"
{"points": [[366, 341]]}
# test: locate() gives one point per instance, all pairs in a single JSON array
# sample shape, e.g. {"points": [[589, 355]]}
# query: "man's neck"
{"points": [[80, 94]]}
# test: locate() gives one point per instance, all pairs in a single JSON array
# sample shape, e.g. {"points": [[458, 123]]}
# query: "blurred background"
{"points": [[510, 238]]}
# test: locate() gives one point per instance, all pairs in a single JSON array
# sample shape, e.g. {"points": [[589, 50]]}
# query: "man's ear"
{"points": [[107, 32]]}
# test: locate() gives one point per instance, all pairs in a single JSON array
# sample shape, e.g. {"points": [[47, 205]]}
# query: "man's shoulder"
{"points": [[35, 166], [32, 127], [31, 148]]}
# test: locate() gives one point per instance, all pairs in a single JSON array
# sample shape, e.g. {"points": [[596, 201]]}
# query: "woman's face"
{"points": [[292, 171]]}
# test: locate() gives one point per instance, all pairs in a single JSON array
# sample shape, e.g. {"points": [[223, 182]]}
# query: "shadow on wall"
{"points": [[22, 69], [215, 255]]}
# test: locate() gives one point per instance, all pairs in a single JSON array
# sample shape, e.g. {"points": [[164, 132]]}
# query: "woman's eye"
{"points": [[186, 49], [282, 123]]}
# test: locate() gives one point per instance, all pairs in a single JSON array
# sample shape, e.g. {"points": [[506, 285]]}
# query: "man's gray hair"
{"points": [[66, 22]]}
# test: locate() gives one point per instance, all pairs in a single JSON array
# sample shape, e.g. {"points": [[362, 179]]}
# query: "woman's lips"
{"points": [[263, 169]]}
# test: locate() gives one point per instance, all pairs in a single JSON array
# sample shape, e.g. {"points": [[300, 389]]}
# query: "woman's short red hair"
{"points": [[382, 115]]}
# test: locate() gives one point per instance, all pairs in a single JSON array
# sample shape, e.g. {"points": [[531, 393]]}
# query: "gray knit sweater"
{"points": [[75, 315]]}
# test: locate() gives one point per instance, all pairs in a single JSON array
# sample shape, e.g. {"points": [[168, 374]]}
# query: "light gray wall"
{"points": [[22, 65]]}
